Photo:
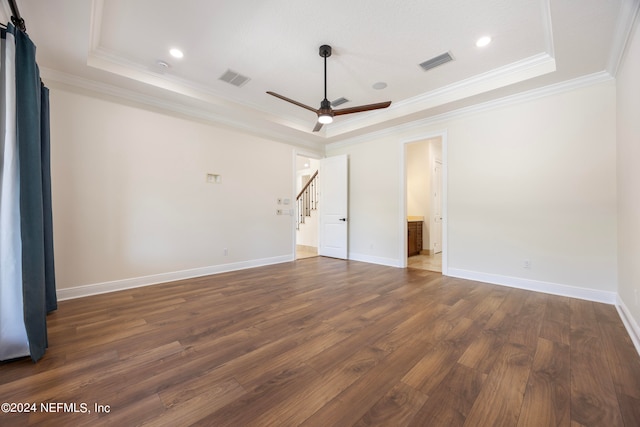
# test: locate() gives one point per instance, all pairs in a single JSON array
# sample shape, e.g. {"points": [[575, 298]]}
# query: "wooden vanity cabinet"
{"points": [[414, 241]]}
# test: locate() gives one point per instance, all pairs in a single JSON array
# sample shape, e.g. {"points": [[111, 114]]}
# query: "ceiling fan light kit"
{"points": [[325, 118], [325, 113]]}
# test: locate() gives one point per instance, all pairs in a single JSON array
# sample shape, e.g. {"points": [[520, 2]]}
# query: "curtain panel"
{"points": [[27, 276]]}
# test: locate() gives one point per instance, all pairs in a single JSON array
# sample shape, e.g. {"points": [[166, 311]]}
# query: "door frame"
{"points": [[402, 218], [433, 215]]}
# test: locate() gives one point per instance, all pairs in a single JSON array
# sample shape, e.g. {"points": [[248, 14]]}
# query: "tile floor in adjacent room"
{"points": [[305, 251], [426, 262]]}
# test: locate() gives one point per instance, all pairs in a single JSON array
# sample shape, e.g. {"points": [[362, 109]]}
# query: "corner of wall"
{"points": [[629, 323]]}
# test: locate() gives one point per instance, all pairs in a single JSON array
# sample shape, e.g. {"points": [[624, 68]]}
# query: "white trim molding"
{"points": [[629, 323], [524, 69], [441, 119], [155, 279], [537, 286], [371, 259], [626, 17]]}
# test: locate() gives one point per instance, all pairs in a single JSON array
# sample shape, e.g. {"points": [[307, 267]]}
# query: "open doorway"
{"points": [[306, 207], [424, 189]]}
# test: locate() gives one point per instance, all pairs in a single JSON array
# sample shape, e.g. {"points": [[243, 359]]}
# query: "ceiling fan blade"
{"points": [[361, 108], [284, 98], [317, 127]]}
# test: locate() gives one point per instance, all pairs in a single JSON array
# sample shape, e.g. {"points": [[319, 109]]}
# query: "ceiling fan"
{"points": [[325, 112]]}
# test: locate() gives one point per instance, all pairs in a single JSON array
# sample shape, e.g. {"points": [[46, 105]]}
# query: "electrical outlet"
{"points": [[526, 264]]}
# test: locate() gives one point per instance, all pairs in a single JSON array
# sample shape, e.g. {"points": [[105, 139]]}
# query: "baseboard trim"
{"points": [[389, 262], [537, 286], [629, 323], [154, 279]]}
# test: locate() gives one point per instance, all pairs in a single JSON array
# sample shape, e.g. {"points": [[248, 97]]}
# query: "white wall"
{"points": [[532, 180], [628, 134], [131, 199]]}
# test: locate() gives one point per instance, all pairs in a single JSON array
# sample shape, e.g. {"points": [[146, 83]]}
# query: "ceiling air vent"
{"points": [[234, 78], [436, 61], [339, 101]]}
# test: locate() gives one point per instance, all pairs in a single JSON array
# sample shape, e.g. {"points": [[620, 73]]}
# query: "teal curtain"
{"points": [[34, 185], [47, 208]]}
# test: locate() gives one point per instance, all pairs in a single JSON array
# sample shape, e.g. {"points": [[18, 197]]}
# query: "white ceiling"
{"points": [[113, 46]]}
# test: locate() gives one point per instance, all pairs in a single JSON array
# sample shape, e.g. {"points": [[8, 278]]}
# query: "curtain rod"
{"points": [[16, 19]]}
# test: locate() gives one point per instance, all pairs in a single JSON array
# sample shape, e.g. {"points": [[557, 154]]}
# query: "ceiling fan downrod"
{"points": [[325, 52], [325, 114]]}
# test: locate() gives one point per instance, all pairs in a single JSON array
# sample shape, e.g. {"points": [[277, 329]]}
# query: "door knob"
{"points": [[343, 219]]}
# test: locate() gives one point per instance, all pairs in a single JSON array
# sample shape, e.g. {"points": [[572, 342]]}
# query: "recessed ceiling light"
{"points": [[379, 85], [176, 53], [483, 41]]}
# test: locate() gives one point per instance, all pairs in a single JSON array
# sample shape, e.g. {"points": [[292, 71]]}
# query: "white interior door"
{"points": [[333, 206], [436, 192]]}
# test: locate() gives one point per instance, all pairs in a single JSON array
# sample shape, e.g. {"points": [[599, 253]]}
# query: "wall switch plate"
{"points": [[526, 264], [278, 211]]}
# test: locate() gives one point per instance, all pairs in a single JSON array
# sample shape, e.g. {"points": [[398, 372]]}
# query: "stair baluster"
{"points": [[307, 200]]}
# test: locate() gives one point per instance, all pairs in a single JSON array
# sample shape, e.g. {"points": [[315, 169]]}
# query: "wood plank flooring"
{"points": [[325, 342]]}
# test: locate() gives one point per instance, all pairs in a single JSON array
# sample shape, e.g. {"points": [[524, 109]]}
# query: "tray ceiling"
{"points": [[122, 47]]}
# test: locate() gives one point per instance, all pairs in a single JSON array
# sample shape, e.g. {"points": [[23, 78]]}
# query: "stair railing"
{"points": [[307, 200]]}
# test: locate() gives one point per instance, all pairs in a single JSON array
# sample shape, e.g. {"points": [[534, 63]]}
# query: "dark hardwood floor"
{"points": [[324, 342]]}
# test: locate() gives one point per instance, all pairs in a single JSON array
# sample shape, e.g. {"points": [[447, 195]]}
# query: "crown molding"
{"points": [[515, 72], [548, 27], [518, 71], [253, 127], [95, 25], [627, 16], [103, 59], [566, 86], [536, 65]]}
